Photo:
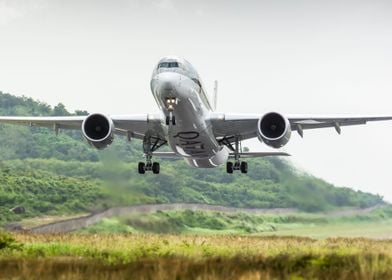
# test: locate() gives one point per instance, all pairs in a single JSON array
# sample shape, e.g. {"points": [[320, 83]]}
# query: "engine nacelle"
{"points": [[98, 129], [274, 130]]}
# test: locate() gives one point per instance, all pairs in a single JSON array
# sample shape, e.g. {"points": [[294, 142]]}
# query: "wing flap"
{"points": [[68, 122], [260, 154]]}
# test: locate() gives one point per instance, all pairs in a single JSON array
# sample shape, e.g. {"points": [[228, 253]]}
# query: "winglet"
{"points": [[337, 128], [300, 130]]}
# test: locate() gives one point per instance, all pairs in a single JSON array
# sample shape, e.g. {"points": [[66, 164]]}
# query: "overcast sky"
{"points": [[321, 57]]}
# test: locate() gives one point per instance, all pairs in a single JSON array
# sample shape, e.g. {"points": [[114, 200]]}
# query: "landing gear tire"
{"points": [[170, 119], [142, 168], [238, 165], [229, 167], [155, 168], [244, 167], [150, 145]]}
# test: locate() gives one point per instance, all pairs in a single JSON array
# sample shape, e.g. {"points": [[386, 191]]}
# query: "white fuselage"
{"points": [[191, 137]]}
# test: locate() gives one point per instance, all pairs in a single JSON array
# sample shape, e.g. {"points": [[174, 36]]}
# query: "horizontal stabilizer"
{"points": [[260, 154], [166, 155]]}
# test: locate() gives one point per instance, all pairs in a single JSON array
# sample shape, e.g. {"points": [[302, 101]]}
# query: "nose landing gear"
{"points": [[170, 119], [170, 104]]}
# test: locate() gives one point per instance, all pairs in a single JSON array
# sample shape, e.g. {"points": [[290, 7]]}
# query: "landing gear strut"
{"points": [[148, 148], [238, 164]]}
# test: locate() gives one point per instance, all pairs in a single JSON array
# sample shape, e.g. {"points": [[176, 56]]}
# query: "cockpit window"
{"points": [[168, 65]]}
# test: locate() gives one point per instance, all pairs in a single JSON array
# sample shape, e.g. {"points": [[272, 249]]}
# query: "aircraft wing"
{"points": [[227, 126], [136, 126]]}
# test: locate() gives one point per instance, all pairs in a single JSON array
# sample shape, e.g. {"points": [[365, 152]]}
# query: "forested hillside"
{"points": [[49, 174]]}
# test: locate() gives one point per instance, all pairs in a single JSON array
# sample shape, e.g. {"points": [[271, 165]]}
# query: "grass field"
{"points": [[377, 224], [207, 245], [371, 229], [153, 256]]}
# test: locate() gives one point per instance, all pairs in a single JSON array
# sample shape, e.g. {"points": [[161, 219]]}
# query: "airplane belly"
{"points": [[214, 161], [191, 136], [193, 143]]}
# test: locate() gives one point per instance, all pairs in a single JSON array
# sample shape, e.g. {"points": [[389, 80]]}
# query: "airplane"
{"points": [[189, 124]]}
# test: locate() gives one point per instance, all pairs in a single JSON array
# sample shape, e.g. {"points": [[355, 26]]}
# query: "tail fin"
{"points": [[215, 96]]}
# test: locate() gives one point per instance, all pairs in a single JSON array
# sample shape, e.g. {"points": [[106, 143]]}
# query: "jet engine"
{"points": [[274, 130], [98, 129]]}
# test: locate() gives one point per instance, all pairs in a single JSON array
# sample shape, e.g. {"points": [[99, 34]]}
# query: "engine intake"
{"points": [[98, 129], [274, 130]]}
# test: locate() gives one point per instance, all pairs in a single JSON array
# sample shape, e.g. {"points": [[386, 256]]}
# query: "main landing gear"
{"points": [[149, 147], [170, 103], [149, 166], [237, 164]]}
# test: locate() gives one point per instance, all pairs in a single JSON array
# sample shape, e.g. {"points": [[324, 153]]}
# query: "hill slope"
{"points": [[64, 174]]}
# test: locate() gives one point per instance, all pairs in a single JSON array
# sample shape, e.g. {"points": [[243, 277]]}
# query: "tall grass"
{"points": [[147, 256]]}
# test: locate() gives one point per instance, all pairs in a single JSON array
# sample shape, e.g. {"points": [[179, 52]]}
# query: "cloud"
{"points": [[11, 10], [167, 5], [8, 12]]}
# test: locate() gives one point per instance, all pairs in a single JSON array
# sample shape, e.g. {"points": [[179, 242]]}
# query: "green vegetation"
{"points": [[57, 176], [376, 224], [51, 175], [40, 192], [194, 257], [8, 243]]}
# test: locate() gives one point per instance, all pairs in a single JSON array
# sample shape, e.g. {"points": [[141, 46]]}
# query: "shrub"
{"points": [[7, 242]]}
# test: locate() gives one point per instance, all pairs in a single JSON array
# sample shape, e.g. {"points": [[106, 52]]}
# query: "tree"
{"points": [[81, 112], [59, 110]]}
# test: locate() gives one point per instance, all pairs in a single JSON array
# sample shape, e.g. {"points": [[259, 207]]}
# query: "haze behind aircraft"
{"points": [[188, 124]]}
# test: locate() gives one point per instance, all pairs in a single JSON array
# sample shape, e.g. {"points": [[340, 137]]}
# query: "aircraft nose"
{"points": [[166, 82]]}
